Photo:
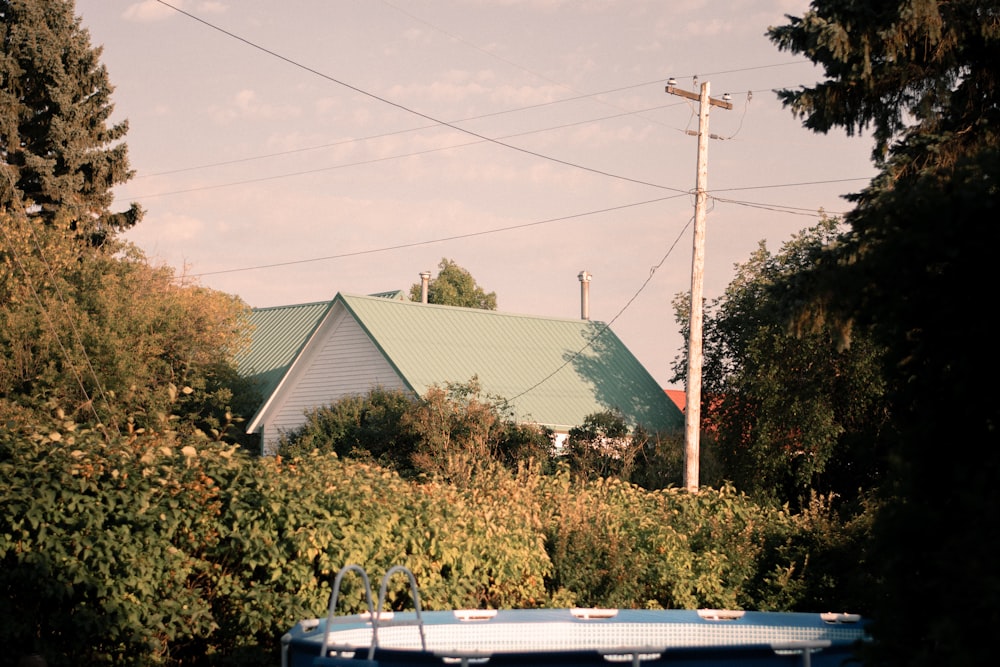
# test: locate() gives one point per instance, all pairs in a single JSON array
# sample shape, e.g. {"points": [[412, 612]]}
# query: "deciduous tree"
{"points": [[455, 286], [792, 413], [89, 330]]}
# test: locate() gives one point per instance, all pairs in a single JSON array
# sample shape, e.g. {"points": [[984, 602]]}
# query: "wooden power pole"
{"points": [[692, 408]]}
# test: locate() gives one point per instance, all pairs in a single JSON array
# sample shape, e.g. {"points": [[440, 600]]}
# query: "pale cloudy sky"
{"points": [[324, 146]]}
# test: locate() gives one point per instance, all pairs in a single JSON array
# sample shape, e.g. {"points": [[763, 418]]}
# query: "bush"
{"points": [[367, 427], [615, 544], [99, 546], [147, 550], [449, 432]]}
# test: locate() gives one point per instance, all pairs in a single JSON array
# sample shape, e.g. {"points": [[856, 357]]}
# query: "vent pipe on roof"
{"points": [[585, 278], [425, 281]]}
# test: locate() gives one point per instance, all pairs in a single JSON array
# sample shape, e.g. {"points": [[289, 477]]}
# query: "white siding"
{"points": [[340, 361]]}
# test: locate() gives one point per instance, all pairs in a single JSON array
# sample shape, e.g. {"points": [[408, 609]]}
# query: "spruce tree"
{"points": [[59, 154], [917, 268]]}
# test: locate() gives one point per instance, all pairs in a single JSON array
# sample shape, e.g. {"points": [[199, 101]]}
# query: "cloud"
{"points": [[150, 11], [246, 104], [708, 28]]}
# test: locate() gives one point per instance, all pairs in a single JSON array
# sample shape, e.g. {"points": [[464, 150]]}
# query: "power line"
{"points": [[539, 105], [388, 158], [778, 208], [792, 185], [413, 129], [398, 105], [346, 142], [46, 315], [383, 135], [607, 325], [559, 83], [434, 120], [45, 312], [455, 237]]}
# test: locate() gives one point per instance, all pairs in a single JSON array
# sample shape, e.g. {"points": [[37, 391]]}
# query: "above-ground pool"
{"points": [[528, 637]]}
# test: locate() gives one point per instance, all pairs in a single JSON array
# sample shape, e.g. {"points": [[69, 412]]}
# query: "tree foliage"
{"points": [[792, 412], [455, 286], [146, 550], [451, 433], [59, 154], [359, 426], [605, 447], [915, 265], [114, 341], [88, 328]]}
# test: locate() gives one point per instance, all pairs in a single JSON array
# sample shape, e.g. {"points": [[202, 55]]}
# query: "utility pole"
{"points": [[692, 408]]}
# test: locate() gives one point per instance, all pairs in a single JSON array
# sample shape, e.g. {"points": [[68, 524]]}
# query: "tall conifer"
{"points": [[917, 267], [59, 153]]}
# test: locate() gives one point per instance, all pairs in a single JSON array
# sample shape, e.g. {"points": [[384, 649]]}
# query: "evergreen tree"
{"points": [[916, 267], [59, 155], [89, 331]]}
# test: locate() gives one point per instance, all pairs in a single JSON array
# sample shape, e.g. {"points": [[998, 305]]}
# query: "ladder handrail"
{"points": [[414, 591], [332, 610], [376, 617]]}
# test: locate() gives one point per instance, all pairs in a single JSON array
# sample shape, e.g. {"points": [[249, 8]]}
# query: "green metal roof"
{"points": [[397, 294], [276, 338], [553, 371]]}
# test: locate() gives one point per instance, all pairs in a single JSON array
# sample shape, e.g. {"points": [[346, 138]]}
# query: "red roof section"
{"points": [[678, 396]]}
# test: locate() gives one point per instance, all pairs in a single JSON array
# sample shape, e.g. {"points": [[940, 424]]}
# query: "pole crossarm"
{"points": [[714, 101]]}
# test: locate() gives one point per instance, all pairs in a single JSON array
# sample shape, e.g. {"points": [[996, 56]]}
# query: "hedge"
{"points": [[146, 550]]}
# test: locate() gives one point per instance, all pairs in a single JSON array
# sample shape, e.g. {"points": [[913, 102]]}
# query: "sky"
{"points": [[285, 152]]}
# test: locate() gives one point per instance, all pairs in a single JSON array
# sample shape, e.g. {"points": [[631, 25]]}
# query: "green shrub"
{"points": [[146, 550], [359, 426], [615, 544], [99, 547], [449, 432]]}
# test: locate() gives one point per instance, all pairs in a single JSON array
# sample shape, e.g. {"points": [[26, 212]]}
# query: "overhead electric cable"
{"points": [[509, 62], [400, 106], [778, 208], [388, 158], [607, 325], [55, 334], [383, 135], [791, 185], [79, 341], [485, 232], [546, 78], [45, 313], [306, 149]]}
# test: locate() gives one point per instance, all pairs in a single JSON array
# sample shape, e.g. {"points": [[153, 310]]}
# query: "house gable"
{"points": [[338, 360]]}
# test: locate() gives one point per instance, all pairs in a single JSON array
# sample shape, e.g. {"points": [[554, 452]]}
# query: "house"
{"points": [[553, 372]]}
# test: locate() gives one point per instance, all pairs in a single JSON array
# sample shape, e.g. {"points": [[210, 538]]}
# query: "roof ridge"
{"points": [[493, 313], [324, 302]]}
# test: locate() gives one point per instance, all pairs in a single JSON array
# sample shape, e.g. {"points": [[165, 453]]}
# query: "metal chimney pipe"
{"points": [[425, 280], [585, 278]]}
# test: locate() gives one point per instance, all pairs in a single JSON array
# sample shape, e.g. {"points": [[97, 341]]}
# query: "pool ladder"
{"points": [[378, 618]]}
